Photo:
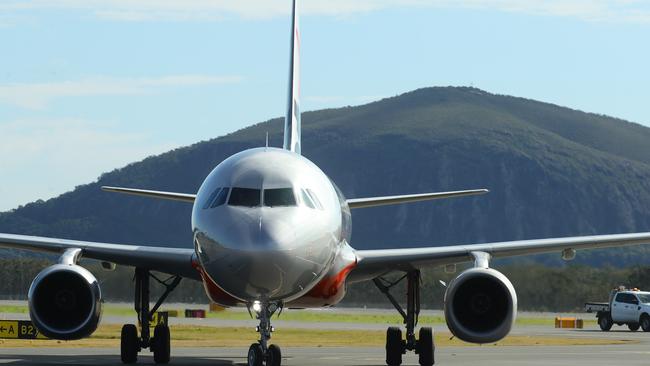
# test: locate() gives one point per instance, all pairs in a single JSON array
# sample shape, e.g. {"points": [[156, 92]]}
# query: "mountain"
{"points": [[551, 171]]}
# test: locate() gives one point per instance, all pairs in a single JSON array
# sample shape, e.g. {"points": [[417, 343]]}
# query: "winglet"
{"points": [[292, 125]]}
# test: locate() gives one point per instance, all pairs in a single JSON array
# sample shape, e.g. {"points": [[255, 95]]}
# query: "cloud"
{"points": [[628, 11], [180, 10], [636, 11], [38, 95], [43, 158]]}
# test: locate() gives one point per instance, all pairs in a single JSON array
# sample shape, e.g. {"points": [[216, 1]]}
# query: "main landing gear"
{"points": [[131, 343], [396, 346], [261, 353]]}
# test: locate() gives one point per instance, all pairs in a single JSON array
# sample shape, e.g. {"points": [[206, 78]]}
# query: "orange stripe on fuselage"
{"points": [[329, 291], [214, 292]]}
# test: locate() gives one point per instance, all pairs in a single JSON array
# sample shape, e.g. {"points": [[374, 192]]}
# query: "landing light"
{"points": [[257, 307]]}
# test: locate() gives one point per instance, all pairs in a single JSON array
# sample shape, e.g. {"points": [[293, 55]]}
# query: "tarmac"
{"points": [[637, 353], [353, 356], [628, 354]]}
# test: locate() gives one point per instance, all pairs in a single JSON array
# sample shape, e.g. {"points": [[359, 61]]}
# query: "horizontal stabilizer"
{"points": [[154, 194], [394, 200]]}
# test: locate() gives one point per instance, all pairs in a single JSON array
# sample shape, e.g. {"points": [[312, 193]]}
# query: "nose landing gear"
{"points": [[261, 353], [396, 346]]}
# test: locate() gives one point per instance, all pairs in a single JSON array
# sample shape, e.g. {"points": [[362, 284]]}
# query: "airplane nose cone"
{"points": [[264, 256]]}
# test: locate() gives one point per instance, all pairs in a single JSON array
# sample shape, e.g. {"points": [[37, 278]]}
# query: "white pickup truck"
{"points": [[630, 307]]}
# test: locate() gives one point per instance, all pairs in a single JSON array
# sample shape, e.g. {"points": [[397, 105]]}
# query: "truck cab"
{"points": [[629, 307]]}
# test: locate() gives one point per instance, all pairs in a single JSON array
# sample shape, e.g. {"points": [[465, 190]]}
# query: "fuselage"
{"points": [[270, 226]]}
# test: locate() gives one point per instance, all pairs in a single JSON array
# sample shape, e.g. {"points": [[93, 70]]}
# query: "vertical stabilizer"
{"points": [[292, 119]]}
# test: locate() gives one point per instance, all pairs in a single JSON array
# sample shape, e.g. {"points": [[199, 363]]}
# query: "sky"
{"points": [[88, 86]]}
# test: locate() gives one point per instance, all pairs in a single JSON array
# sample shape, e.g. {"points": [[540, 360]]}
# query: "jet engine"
{"points": [[65, 302], [480, 305]]}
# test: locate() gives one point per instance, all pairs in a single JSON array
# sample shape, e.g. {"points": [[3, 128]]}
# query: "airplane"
{"points": [[272, 231]]}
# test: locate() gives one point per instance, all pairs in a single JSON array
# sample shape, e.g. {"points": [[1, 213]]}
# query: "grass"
{"points": [[200, 336], [339, 316]]}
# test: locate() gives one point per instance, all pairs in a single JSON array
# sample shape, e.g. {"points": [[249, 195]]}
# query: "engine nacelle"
{"points": [[65, 302], [480, 305]]}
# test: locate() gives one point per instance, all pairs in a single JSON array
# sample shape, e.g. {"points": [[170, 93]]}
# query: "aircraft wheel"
{"points": [[255, 355], [394, 346], [161, 345], [633, 326], [274, 356], [426, 348], [606, 323], [129, 344], [645, 323]]}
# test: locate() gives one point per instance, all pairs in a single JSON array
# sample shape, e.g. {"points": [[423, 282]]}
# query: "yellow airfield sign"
{"points": [[159, 318], [19, 329]]}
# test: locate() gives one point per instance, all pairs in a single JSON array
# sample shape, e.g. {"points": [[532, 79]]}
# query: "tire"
{"points": [[645, 322], [274, 356], [426, 348], [255, 355], [394, 346], [633, 326], [161, 345], [129, 344], [605, 322]]}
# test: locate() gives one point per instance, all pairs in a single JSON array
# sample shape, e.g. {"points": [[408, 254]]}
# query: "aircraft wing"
{"points": [[185, 197], [374, 263], [394, 200], [174, 261]]}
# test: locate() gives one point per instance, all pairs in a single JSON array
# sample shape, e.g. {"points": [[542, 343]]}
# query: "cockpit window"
{"points": [[221, 198], [246, 197], [315, 199], [214, 194], [217, 198], [279, 197], [307, 200]]}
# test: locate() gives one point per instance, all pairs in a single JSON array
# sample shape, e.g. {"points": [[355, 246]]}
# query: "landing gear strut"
{"points": [[261, 353], [131, 344], [396, 346]]}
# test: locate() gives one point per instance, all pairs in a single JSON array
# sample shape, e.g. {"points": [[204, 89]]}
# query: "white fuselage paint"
{"points": [[273, 254]]}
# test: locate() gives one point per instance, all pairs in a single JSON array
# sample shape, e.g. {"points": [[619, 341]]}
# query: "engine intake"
{"points": [[65, 302], [480, 305]]}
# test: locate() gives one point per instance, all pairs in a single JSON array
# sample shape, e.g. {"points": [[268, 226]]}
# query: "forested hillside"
{"points": [[552, 171]]}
